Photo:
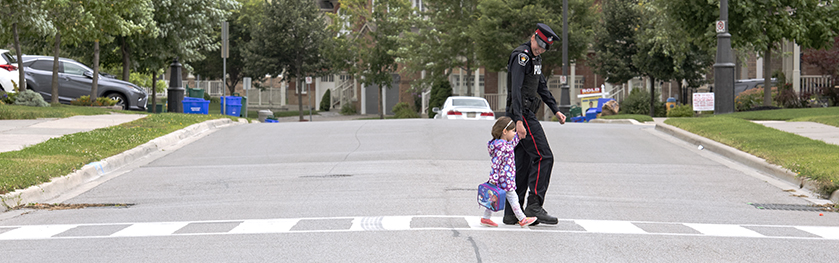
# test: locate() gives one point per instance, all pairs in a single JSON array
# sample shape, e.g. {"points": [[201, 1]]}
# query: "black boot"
{"points": [[534, 209], [510, 220]]}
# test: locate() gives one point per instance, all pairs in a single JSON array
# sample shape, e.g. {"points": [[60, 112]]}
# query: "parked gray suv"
{"points": [[75, 80]]}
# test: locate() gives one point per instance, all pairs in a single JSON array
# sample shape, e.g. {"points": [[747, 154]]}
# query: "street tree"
{"points": [[615, 42], [503, 25], [760, 26], [242, 23], [290, 39], [28, 17], [71, 23], [441, 41], [378, 28]]}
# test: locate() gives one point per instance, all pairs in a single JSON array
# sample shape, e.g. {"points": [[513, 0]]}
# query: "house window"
{"points": [[344, 77], [328, 78]]}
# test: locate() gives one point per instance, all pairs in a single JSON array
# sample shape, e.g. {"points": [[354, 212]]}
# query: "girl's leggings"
{"points": [[513, 199]]}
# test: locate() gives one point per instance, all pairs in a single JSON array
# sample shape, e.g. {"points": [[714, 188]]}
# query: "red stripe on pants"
{"points": [[539, 168]]}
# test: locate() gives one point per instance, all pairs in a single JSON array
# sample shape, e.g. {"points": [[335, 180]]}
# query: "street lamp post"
{"points": [[565, 94], [724, 66], [176, 90]]}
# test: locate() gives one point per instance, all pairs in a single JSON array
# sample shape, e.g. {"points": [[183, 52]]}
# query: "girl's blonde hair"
{"points": [[503, 123]]}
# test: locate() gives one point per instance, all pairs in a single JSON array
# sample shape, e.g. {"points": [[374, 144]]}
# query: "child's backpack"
{"points": [[492, 197]]}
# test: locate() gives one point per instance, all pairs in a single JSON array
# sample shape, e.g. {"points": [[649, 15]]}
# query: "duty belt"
{"points": [[531, 103]]}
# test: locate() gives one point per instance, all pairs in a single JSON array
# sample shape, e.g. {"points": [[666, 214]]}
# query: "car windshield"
{"points": [[9, 58], [468, 103]]}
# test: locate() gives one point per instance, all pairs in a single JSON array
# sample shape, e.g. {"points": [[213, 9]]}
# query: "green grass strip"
{"points": [[806, 157], [637, 117], [785, 114], [61, 156], [17, 112]]}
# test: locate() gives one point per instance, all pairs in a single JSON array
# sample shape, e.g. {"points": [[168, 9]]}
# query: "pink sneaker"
{"points": [[527, 221], [488, 222]]}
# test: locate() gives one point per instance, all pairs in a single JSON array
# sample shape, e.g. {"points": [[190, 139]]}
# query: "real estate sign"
{"points": [[703, 101]]}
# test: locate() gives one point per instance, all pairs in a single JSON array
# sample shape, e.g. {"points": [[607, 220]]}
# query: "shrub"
{"points": [[684, 110], [100, 101], [402, 111], [638, 102], [787, 97], [439, 93], [8, 98], [207, 96], [752, 98], [30, 98], [831, 93], [324, 102], [348, 109]]}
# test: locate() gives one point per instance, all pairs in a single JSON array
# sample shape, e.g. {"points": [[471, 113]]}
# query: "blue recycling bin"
{"points": [[196, 106]]}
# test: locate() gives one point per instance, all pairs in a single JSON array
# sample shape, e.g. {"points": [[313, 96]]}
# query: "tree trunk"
{"points": [[767, 76], [94, 87], [468, 79], [21, 75], [381, 108], [652, 97], [126, 61], [56, 54]]}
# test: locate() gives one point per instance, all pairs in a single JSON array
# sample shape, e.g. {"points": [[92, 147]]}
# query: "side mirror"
{"points": [[88, 74], [435, 110]]}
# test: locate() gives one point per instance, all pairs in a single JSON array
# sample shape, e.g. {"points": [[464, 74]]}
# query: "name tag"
{"points": [[537, 69]]}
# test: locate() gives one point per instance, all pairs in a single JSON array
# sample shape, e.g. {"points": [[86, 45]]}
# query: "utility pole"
{"points": [[565, 93]]}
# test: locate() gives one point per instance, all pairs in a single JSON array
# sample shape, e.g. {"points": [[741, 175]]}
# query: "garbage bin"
{"points": [[195, 93], [264, 114], [244, 107], [671, 103]]}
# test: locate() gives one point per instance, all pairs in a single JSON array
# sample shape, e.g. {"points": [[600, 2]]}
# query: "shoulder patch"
{"points": [[523, 58]]}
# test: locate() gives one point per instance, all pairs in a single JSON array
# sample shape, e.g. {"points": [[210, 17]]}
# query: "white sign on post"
{"points": [[562, 79], [246, 83], [703, 101], [308, 80], [721, 26]]}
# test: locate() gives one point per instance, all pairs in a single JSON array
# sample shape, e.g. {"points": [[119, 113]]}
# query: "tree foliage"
{"points": [[290, 39], [503, 25]]}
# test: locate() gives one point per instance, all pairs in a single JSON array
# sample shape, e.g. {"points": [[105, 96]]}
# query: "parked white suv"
{"points": [[8, 71]]}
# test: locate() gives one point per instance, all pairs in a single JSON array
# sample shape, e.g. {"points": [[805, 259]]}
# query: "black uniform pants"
{"points": [[534, 162]]}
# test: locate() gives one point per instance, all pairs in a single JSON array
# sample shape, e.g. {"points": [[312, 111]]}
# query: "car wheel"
{"points": [[120, 100]]}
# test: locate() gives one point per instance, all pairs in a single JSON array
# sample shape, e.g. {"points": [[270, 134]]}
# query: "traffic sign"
{"points": [[308, 80]]}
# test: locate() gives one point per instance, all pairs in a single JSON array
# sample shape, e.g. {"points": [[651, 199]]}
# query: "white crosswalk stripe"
{"points": [[404, 223]]}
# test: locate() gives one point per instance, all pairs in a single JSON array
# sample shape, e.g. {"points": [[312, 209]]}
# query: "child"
{"points": [[503, 174]]}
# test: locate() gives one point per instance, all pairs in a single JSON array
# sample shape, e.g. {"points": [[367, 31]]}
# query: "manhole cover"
{"points": [[326, 176], [789, 207]]}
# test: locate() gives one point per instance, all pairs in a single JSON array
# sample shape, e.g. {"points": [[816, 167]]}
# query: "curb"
{"points": [[620, 121], [741, 157], [94, 170]]}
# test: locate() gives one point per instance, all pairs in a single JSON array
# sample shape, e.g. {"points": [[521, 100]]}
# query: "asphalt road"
{"points": [[404, 191]]}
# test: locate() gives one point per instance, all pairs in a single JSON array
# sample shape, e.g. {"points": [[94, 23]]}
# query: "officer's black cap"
{"points": [[545, 37]]}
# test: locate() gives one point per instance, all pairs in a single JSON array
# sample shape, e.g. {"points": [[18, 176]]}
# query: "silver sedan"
{"points": [[464, 108]]}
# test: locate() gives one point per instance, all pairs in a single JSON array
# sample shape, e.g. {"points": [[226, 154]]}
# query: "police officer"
{"points": [[527, 89]]}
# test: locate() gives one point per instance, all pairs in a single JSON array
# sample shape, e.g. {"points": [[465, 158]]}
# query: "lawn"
{"points": [[806, 157], [61, 156], [16, 112]]}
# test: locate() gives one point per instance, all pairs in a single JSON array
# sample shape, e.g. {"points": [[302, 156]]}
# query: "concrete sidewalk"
{"points": [[812, 130], [18, 134]]}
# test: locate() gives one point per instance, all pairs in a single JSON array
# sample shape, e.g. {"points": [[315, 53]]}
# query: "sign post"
{"points": [[309, 92], [246, 85]]}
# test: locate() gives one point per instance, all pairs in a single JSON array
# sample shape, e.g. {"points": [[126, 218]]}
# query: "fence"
{"points": [[497, 102], [812, 83]]}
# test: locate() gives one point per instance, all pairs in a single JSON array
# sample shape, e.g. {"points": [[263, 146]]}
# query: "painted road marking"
{"points": [[150, 229], [822, 231], [35, 232], [264, 226], [611, 227], [401, 223], [724, 230]]}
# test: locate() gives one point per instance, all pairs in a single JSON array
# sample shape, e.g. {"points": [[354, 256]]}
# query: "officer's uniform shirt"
{"points": [[522, 66]]}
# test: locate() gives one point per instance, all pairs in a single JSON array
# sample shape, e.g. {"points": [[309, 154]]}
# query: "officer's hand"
{"points": [[520, 129], [561, 117]]}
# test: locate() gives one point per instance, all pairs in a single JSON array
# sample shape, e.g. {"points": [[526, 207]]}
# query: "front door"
{"points": [[73, 81]]}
